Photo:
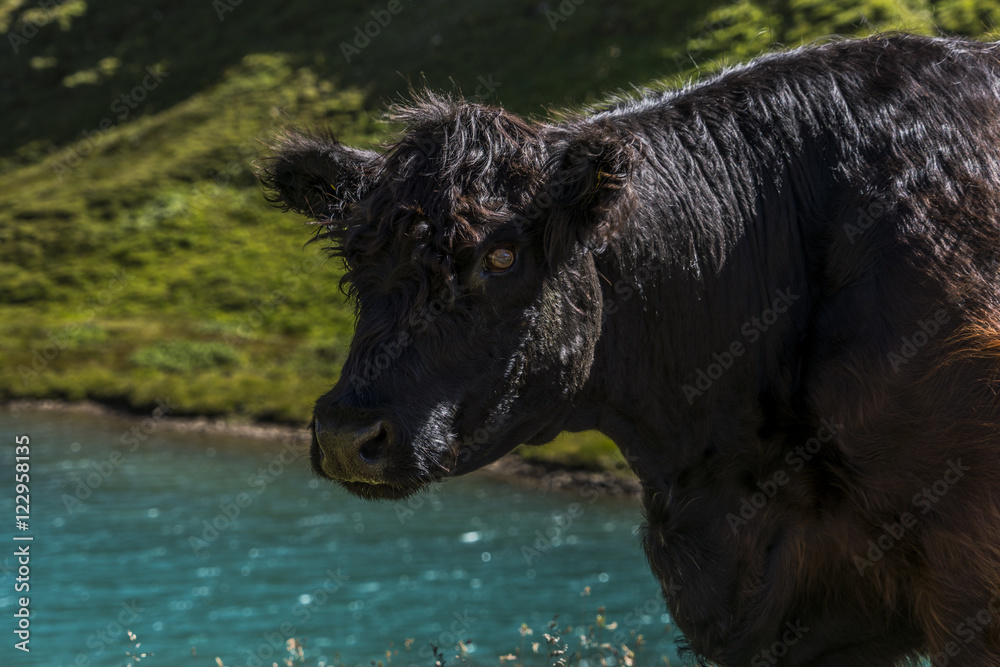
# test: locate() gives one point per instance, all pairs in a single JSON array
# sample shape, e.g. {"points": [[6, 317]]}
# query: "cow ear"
{"points": [[316, 176], [590, 187]]}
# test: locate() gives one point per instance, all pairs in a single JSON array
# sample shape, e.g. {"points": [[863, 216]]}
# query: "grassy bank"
{"points": [[138, 260]]}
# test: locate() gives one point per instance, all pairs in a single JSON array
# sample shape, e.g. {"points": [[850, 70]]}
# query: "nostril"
{"points": [[351, 450], [372, 451]]}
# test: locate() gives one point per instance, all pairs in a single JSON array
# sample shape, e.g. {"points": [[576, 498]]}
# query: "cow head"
{"points": [[468, 248]]}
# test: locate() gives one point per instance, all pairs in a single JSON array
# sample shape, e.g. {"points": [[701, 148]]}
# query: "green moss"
{"points": [[588, 449]]}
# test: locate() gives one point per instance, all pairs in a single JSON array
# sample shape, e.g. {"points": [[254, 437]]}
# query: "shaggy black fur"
{"points": [[777, 291]]}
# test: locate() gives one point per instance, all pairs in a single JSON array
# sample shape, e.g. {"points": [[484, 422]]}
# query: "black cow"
{"points": [[777, 291]]}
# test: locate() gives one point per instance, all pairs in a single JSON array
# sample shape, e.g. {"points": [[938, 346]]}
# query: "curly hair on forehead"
{"points": [[459, 169]]}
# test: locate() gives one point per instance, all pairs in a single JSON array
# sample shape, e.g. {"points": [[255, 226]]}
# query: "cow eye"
{"points": [[500, 258]]}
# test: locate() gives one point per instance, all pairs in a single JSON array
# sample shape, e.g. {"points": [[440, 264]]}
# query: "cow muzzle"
{"points": [[351, 452]]}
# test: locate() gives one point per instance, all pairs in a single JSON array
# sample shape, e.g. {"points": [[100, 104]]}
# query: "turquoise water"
{"points": [[219, 546]]}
